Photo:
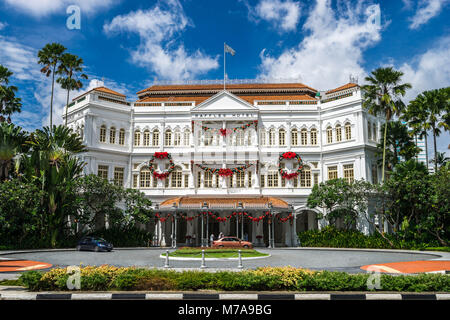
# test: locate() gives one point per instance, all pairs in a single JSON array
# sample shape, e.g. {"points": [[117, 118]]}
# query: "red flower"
{"points": [[225, 172], [161, 155], [223, 132], [289, 155]]}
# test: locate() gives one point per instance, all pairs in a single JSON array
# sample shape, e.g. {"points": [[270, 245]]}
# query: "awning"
{"points": [[224, 203]]}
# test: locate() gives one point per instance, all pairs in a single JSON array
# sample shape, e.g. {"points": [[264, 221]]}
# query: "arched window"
{"points": [[338, 133], [177, 138], [304, 137], [313, 134], [155, 138], [262, 137], [103, 133], [240, 138], [369, 130], [186, 137], [305, 177], [329, 135], [177, 177], [145, 178], [294, 137], [137, 138], [348, 131], [208, 138], [282, 137], [122, 137], [146, 138], [168, 137], [271, 137], [112, 135]]}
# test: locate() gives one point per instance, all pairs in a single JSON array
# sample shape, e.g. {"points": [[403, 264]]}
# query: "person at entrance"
{"points": [[220, 235], [246, 236], [211, 238]]}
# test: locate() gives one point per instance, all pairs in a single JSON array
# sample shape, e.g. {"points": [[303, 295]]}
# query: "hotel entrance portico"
{"points": [[190, 220]]}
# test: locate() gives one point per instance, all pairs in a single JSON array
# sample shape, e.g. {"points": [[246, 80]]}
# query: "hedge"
{"points": [[105, 278], [334, 238]]}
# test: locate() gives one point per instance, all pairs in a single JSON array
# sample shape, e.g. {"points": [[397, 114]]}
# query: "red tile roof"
{"points": [[101, 89], [229, 86], [345, 86]]}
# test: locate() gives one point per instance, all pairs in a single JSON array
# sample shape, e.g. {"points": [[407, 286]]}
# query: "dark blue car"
{"points": [[94, 243]]}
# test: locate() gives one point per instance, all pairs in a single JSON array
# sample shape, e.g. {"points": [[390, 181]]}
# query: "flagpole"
{"points": [[224, 61]]}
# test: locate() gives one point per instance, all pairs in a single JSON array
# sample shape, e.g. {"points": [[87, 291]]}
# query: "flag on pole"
{"points": [[228, 49]]}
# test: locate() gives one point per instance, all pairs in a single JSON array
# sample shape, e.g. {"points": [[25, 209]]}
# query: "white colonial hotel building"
{"points": [[330, 130]]}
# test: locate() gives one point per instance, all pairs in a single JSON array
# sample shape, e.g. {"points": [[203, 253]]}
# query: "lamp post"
{"points": [[205, 206], [174, 226], [156, 236], [271, 242], [241, 207]]}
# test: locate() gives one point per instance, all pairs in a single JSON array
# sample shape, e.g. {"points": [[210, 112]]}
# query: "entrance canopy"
{"points": [[225, 203]]}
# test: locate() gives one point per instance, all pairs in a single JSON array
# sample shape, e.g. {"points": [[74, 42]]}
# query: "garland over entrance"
{"points": [[225, 172], [288, 156], [225, 132], [151, 165], [234, 215]]}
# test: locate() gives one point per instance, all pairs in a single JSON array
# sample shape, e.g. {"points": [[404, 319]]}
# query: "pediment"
{"points": [[224, 101]]}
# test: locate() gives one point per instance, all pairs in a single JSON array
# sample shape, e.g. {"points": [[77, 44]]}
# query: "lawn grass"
{"points": [[10, 283], [187, 252]]}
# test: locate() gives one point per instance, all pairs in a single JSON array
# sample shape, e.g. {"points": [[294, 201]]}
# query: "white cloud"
{"points": [[426, 10], [282, 14], [3, 25], [430, 70], [332, 48], [19, 58], [158, 51], [46, 7]]}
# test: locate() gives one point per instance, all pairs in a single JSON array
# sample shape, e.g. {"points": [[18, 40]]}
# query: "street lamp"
{"points": [[271, 230], [156, 236], [174, 226], [241, 207], [205, 206]]}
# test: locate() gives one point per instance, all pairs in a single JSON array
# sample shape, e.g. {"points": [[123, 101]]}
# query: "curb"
{"points": [[223, 296]]}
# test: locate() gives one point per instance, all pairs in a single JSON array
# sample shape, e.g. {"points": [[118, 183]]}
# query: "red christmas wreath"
{"points": [[151, 165], [288, 156]]}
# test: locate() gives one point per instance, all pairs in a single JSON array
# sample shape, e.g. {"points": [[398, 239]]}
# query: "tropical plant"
{"points": [[440, 159], [382, 95], [50, 57], [12, 143], [9, 103], [399, 144], [69, 67], [51, 164], [433, 106]]}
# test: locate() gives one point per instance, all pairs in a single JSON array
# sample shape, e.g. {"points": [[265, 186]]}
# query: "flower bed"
{"points": [[262, 279]]}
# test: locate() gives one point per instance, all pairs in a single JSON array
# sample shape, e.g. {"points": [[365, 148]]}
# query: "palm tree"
{"points": [[434, 105], [12, 141], [440, 159], [53, 165], [415, 116], [399, 143], [50, 58], [9, 103], [383, 95], [70, 66]]}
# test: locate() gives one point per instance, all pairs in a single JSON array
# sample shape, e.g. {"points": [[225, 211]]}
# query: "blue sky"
{"points": [[126, 45]]}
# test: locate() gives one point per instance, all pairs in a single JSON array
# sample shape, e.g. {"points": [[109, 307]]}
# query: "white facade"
{"points": [[333, 135]]}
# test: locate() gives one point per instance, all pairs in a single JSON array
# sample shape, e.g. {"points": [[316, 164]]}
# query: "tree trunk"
{"points": [[67, 104], [384, 151], [51, 100], [426, 148], [435, 150]]}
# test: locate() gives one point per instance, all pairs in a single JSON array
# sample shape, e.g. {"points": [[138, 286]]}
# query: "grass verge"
{"points": [[215, 253]]}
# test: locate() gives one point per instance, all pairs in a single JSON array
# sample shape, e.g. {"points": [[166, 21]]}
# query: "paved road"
{"points": [[316, 259]]}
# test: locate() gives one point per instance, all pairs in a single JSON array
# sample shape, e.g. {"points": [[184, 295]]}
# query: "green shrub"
{"points": [[125, 237], [31, 280]]}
